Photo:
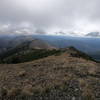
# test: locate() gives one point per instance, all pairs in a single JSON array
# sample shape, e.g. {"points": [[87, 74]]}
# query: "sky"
{"points": [[65, 17]]}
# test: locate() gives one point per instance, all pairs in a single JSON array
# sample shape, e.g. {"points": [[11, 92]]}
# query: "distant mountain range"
{"points": [[91, 46]]}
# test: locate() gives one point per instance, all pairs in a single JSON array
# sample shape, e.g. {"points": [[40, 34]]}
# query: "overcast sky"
{"points": [[74, 17]]}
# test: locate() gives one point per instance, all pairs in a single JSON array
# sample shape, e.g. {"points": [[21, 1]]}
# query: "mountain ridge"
{"points": [[24, 53], [63, 76]]}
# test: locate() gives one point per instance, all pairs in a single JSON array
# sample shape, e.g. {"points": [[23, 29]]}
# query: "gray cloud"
{"points": [[49, 16]]}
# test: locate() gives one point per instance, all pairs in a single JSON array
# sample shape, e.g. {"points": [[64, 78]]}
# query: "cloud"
{"points": [[49, 16], [93, 34], [4, 27], [40, 31]]}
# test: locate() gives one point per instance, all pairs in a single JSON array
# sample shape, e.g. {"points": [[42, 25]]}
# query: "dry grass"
{"points": [[13, 92], [27, 90], [22, 73], [55, 76]]}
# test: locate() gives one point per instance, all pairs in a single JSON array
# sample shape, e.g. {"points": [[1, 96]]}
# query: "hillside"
{"points": [[91, 46], [95, 55], [63, 76], [27, 51]]}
